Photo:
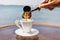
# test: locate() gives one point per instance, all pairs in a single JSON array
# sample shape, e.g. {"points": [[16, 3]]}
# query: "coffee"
{"points": [[26, 12], [26, 15]]}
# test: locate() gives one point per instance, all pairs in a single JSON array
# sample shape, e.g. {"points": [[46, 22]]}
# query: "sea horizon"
{"points": [[10, 13]]}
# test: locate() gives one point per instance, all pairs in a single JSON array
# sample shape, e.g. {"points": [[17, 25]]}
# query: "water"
{"points": [[8, 14]]}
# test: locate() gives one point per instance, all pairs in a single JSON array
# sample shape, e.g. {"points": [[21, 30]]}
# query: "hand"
{"points": [[50, 4]]}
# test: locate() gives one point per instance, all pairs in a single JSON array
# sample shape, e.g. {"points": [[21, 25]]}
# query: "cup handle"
{"points": [[17, 22]]}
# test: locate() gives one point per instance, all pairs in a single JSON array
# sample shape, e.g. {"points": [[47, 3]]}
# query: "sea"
{"points": [[10, 13]]}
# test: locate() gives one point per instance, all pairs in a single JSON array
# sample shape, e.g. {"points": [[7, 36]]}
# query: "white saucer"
{"points": [[32, 33]]}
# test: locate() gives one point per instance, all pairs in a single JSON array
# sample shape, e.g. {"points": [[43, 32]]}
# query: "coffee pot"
{"points": [[27, 12]]}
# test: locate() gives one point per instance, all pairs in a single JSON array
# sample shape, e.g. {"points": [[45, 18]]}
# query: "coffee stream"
{"points": [[26, 15]]}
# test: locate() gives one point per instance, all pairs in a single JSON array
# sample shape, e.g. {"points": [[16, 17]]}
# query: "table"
{"points": [[46, 33]]}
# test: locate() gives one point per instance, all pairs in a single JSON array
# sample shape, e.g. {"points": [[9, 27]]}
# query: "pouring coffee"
{"points": [[27, 12], [25, 24]]}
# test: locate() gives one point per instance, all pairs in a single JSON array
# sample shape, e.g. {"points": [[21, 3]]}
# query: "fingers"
{"points": [[49, 3], [50, 0], [44, 1]]}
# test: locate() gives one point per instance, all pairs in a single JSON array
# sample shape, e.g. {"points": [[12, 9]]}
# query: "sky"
{"points": [[20, 2]]}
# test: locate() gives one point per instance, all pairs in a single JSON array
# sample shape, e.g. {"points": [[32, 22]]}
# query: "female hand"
{"points": [[50, 4]]}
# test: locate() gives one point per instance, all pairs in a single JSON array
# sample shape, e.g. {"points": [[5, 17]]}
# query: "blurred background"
{"points": [[10, 10]]}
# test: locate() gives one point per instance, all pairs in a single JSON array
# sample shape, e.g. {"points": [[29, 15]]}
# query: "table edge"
{"points": [[35, 23]]}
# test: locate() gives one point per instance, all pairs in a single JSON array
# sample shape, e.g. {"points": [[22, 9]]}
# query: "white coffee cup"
{"points": [[24, 24]]}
